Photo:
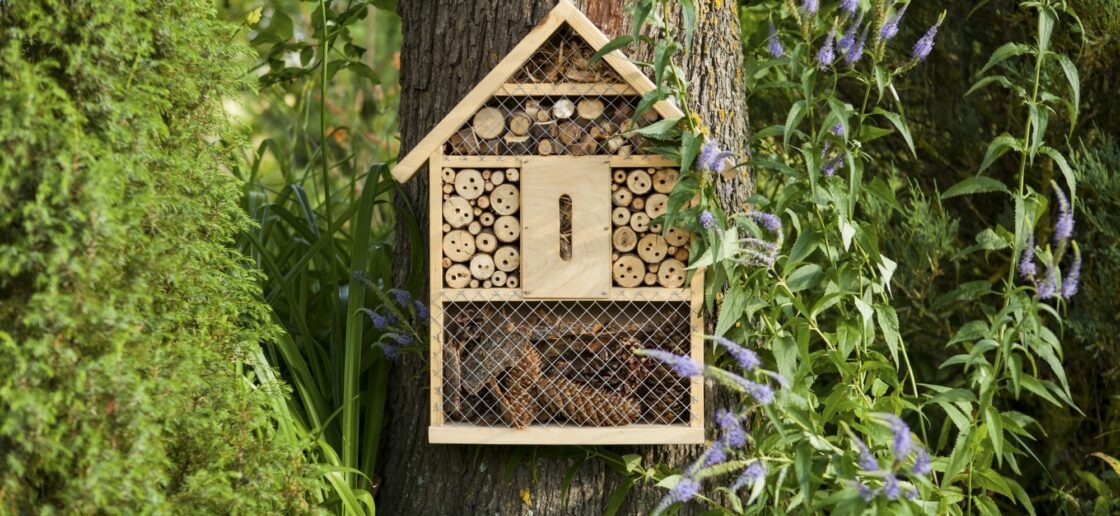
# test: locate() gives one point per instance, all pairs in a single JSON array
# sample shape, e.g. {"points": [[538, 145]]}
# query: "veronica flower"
{"points": [[849, 38], [837, 130], [379, 321], [715, 455], [810, 6], [903, 443], [685, 490], [827, 55], [707, 220], [1027, 267], [422, 312], [732, 428], [769, 221], [761, 392], [890, 29], [402, 339], [682, 365], [712, 159], [910, 493], [401, 296], [891, 489], [922, 465], [773, 45], [1063, 228], [1048, 285], [865, 492], [754, 473], [832, 166], [867, 461], [849, 6], [389, 350], [856, 52], [1069, 285], [746, 358], [925, 45]]}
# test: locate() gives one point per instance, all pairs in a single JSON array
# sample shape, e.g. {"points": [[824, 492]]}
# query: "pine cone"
{"points": [[586, 405], [519, 403]]}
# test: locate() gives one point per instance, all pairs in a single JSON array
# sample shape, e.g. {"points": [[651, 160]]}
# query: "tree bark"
{"points": [[449, 45]]}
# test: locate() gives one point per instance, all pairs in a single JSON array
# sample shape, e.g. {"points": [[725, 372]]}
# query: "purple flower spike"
{"points": [[838, 129], [890, 29], [715, 455], [1027, 267], [389, 350], [401, 296], [746, 358], [922, 464], [1048, 286], [1069, 285], [754, 473], [712, 159], [773, 45], [707, 220], [683, 366], [849, 6], [856, 52], [1063, 228], [925, 45], [761, 393], [684, 491], [848, 40], [379, 321], [827, 54], [891, 489], [832, 166], [732, 428], [903, 443], [810, 6], [769, 221], [422, 312], [867, 461], [865, 492]]}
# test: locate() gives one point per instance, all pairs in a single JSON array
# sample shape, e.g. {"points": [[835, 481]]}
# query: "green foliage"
{"points": [[127, 320]]}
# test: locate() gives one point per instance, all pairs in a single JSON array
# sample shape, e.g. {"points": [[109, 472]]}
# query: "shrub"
{"points": [[124, 312]]}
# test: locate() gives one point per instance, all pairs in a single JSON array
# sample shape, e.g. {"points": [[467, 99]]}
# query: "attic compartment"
{"points": [[552, 125]]}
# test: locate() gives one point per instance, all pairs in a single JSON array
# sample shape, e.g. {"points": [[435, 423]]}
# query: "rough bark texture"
{"points": [[448, 46]]}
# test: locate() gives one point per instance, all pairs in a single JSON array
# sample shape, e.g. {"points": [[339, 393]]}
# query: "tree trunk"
{"points": [[449, 45]]}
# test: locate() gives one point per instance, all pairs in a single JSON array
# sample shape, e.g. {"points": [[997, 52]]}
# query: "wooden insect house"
{"points": [[546, 269]]}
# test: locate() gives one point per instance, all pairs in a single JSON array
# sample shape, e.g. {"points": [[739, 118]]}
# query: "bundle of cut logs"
{"points": [[579, 126], [481, 228], [644, 255], [542, 370]]}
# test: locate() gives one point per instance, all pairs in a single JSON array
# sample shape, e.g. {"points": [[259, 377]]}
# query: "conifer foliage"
{"points": [[124, 312]]}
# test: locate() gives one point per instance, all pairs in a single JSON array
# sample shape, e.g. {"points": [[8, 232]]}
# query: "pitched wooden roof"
{"points": [[564, 12]]}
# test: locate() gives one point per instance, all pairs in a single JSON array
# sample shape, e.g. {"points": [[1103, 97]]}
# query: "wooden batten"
{"points": [[567, 435], [561, 90]]}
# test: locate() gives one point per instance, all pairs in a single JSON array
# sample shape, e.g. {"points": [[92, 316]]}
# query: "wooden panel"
{"points": [[696, 312], [556, 90], [435, 292], [544, 272], [570, 435]]}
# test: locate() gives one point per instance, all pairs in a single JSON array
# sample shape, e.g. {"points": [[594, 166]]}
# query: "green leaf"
{"points": [[690, 148], [618, 496], [1063, 165], [997, 148], [688, 12], [995, 431], [796, 114], [888, 322], [611, 46], [806, 277], [899, 124], [1004, 53], [731, 309], [1070, 71], [999, 79], [975, 185], [661, 129], [1046, 18]]}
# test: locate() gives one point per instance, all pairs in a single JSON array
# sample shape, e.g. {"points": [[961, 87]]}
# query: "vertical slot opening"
{"points": [[566, 227]]}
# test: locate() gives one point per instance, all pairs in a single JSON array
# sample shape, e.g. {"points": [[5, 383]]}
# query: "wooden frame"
{"points": [[444, 424]]}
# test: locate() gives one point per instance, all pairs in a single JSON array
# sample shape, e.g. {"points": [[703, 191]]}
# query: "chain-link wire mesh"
{"points": [[520, 363], [558, 104]]}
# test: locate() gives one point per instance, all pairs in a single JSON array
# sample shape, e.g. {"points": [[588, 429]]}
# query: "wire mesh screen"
{"points": [[516, 364], [565, 58], [554, 125]]}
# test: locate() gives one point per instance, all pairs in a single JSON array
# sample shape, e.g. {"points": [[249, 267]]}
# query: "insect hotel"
{"points": [[547, 265]]}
